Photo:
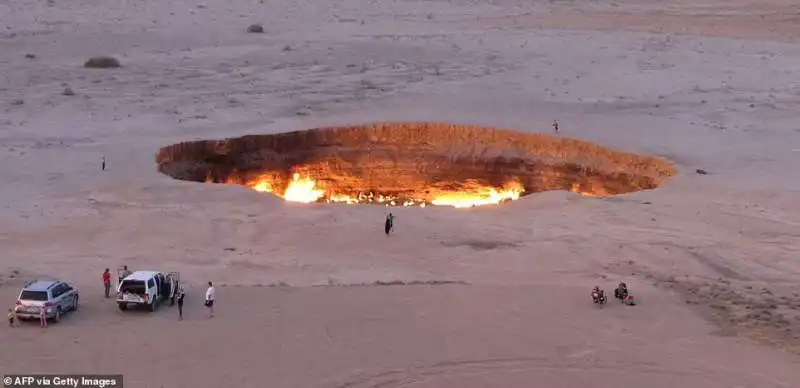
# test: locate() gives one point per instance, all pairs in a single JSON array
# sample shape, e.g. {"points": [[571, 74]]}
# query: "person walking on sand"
{"points": [[211, 295], [389, 225], [43, 316], [12, 317], [181, 295], [107, 282]]}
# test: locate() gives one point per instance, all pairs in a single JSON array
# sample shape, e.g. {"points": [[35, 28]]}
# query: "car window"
{"points": [[132, 286], [33, 295], [66, 287], [151, 283], [57, 291]]}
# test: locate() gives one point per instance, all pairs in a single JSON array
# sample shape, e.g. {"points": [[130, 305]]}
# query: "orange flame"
{"points": [[302, 190], [305, 190], [263, 186], [486, 196]]}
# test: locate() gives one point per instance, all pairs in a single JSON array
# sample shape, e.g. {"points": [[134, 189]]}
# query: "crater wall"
{"points": [[416, 159]]}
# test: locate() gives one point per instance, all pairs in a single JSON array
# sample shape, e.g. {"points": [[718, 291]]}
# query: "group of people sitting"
{"points": [[621, 293]]}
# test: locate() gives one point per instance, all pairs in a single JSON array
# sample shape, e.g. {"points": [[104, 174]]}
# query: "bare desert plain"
{"points": [[315, 295]]}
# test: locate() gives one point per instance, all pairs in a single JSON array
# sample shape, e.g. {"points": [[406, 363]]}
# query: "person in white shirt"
{"points": [[211, 295]]}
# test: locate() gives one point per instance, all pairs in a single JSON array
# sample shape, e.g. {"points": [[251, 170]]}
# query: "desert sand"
{"points": [[315, 295]]}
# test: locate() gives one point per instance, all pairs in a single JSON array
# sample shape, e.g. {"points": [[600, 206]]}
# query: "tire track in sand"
{"points": [[464, 368]]}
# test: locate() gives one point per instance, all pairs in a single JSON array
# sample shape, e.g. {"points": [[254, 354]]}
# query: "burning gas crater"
{"points": [[412, 164], [308, 190]]}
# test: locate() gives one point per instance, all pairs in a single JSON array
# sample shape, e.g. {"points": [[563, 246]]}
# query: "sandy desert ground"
{"points": [[713, 258]]}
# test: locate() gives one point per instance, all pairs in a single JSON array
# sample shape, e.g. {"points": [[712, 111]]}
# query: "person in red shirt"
{"points": [[107, 281]]}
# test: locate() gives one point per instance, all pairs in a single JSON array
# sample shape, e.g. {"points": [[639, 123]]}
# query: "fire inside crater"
{"points": [[412, 164]]}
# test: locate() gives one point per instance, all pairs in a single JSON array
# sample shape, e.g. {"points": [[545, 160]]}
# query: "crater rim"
{"points": [[413, 163]]}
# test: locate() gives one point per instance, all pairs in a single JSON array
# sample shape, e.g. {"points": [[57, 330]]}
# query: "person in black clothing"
{"points": [[389, 224], [181, 294], [621, 292], [624, 295]]}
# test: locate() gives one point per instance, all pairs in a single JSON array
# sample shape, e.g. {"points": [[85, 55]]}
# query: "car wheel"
{"points": [[57, 318], [153, 306], [122, 306], [75, 303]]}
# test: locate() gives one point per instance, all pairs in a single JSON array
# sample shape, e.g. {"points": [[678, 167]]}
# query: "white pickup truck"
{"points": [[147, 289]]}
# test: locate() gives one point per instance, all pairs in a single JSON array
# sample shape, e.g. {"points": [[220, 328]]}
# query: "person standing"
{"points": [[211, 295], [389, 224], [43, 316], [181, 294], [103, 166], [107, 281], [125, 273], [555, 126], [12, 317]]}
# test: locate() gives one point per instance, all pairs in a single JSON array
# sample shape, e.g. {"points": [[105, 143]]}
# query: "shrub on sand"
{"points": [[102, 62], [255, 29]]}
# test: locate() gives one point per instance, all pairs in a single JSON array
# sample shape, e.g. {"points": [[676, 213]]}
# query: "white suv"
{"points": [[147, 289]]}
